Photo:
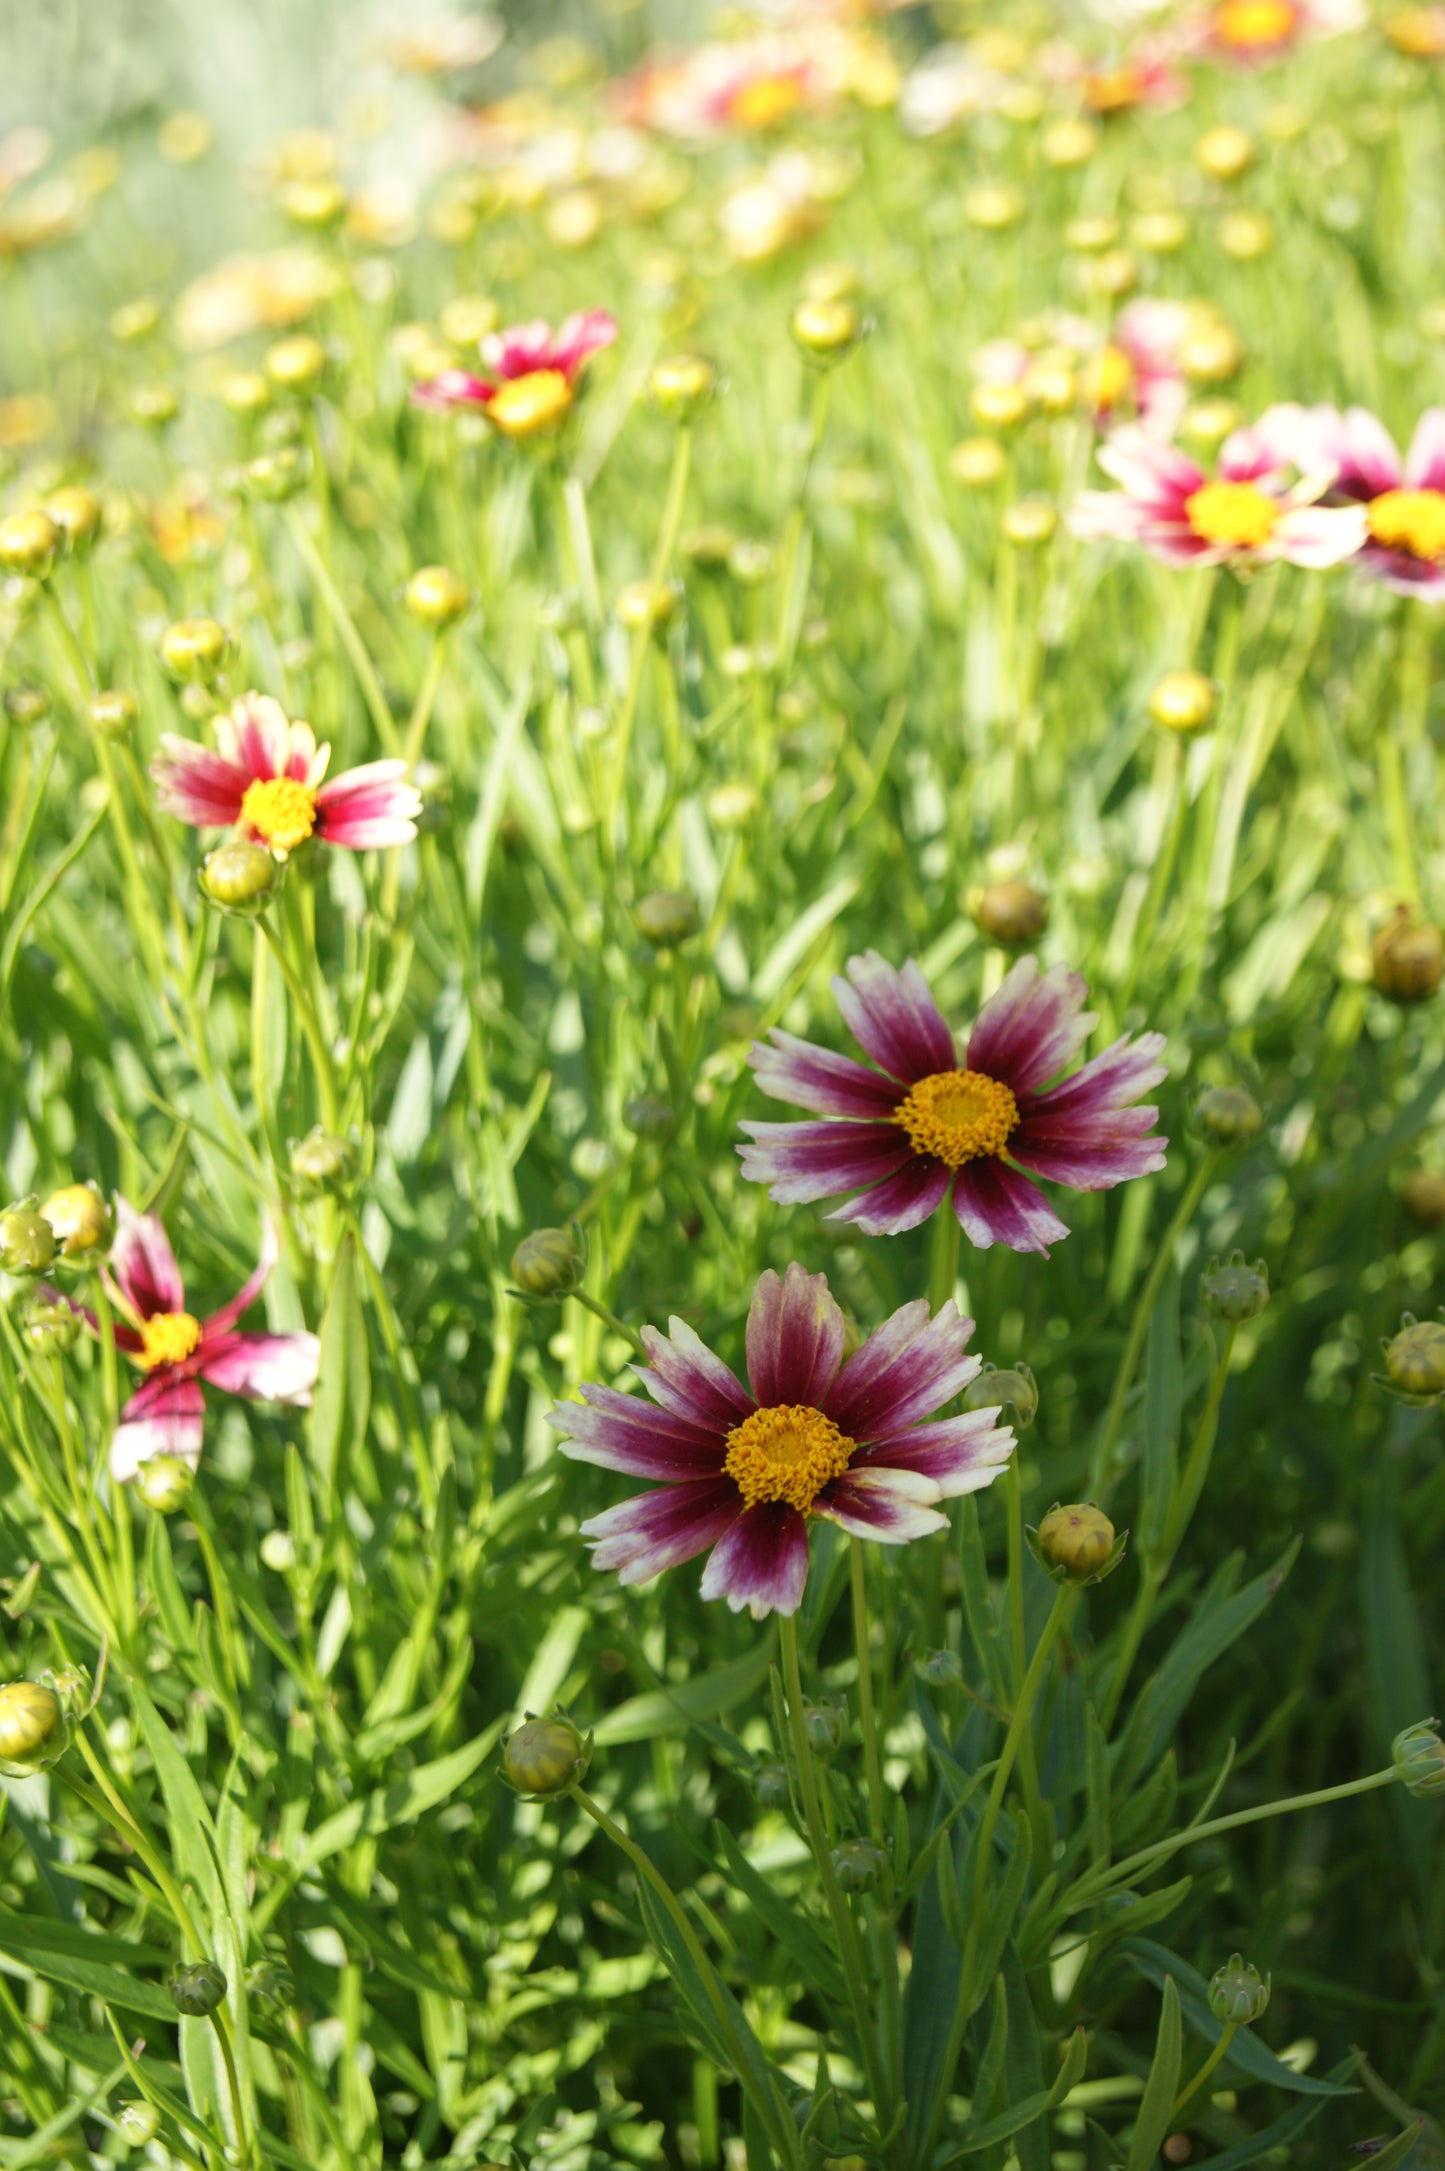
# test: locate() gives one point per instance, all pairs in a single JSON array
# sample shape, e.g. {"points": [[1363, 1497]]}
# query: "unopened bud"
{"points": [[977, 461], [1029, 522], [295, 363], [195, 649], [648, 1115], [942, 1670], [50, 1329], [707, 547], [436, 596], [1001, 406], [1210, 355], [244, 391], [827, 328], [550, 1262], [993, 205], [1208, 422], [270, 1982], [1159, 233], [1011, 912], [197, 1990], [76, 513], [239, 876], [29, 1716], [79, 1216], [164, 1483], [1076, 1543], [28, 543], [1011, 1389], [27, 1241], [667, 918], [1183, 701], [1068, 143], [466, 318], [826, 1725], [1228, 1115], [27, 705], [154, 405], [1415, 1358], [278, 1551], [645, 606], [315, 202], [1225, 153], [1419, 1759], [1115, 273], [113, 712], [1408, 958], [1238, 1993], [1246, 235], [137, 2123], [546, 1758], [1423, 1197], [682, 384], [321, 1161], [857, 1865], [770, 1785], [1235, 1291]]}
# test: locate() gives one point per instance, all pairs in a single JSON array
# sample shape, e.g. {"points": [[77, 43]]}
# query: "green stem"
{"points": [[321, 1060], [1018, 1726], [223, 2037], [867, 1715], [943, 1257], [1176, 813], [426, 696], [1028, 1761], [789, 620], [1216, 2057], [120, 1818], [599, 1310], [391, 1335], [642, 639], [345, 625]]}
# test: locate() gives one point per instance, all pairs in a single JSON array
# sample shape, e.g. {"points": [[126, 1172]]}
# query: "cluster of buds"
{"points": [[1415, 1361], [546, 1759], [1077, 1544], [1235, 1291]]}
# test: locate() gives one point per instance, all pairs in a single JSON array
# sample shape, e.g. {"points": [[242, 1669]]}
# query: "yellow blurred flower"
{"points": [[252, 293]]}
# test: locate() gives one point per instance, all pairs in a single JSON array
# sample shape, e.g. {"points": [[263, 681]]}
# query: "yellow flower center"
{"points": [[1113, 90], [765, 101], [280, 810], [1256, 22], [958, 1115], [1238, 514], [168, 1338], [789, 1453], [523, 406], [1106, 377], [1412, 520]]}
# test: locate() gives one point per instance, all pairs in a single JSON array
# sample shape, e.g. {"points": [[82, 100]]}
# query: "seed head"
{"points": [[244, 391], [80, 1218], [164, 1483], [29, 1717], [1211, 354], [546, 1758], [197, 1990], [28, 543], [857, 1865], [1419, 1759], [1234, 1291], [436, 596], [1228, 1115], [550, 1262], [1077, 1544], [239, 876], [1408, 958], [195, 649], [27, 1241], [1238, 1993], [1183, 701]]}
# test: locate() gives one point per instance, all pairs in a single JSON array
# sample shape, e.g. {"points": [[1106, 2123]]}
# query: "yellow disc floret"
{"points": [[1247, 23], [959, 1115], [168, 1338], [1237, 514], [525, 406], [1409, 520], [786, 1454], [281, 810]]}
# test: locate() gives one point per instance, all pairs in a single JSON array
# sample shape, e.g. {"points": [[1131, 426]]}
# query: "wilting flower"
{"points": [[1404, 500], [856, 1440], [1241, 515], [920, 1127], [267, 777], [177, 1351], [536, 372]]}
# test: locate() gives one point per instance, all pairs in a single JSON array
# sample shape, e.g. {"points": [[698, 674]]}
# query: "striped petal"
{"points": [[908, 1368], [804, 1161], [959, 1454], [165, 1416], [795, 1338], [628, 1433], [262, 1367], [918, 1190], [997, 1205], [893, 1017], [891, 1505], [658, 1530], [369, 808], [143, 1264], [685, 1377], [761, 1562], [832, 1085], [1032, 1027]]}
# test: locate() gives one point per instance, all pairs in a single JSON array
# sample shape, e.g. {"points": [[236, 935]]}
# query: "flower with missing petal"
{"points": [[921, 1127], [1403, 499], [534, 377], [176, 1351], [744, 1470], [266, 777]]}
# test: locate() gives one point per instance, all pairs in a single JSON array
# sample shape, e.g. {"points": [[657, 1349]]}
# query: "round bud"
{"points": [[317, 202], [1010, 1389], [1419, 1759], [942, 1670], [198, 1989], [195, 649], [1002, 406], [1235, 1291], [1029, 522], [1068, 143], [29, 1716], [857, 1865], [826, 1725], [276, 475], [550, 1262], [271, 1982], [1077, 1541], [770, 1785], [1408, 959], [1183, 701], [76, 513], [436, 596], [1415, 1358], [278, 1551], [1238, 1993], [1159, 233], [1211, 354], [27, 705], [27, 1241], [295, 363], [645, 606], [134, 320], [1228, 1115], [164, 1483], [993, 206], [1423, 1197], [113, 712], [50, 1329], [648, 1115], [826, 328], [707, 547], [1245, 235], [1090, 235], [80, 1218], [1224, 153], [682, 384], [28, 543], [244, 391], [137, 2123], [154, 405], [547, 1758], [751, 562], [239, 876], [1114, 273], [1011, 912], [667, 918], [977, 462], [320, 1161], [466, 318]]}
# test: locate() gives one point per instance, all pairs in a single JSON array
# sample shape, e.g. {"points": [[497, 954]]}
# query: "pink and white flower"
{"points": [[177, 1351], [745, 1470], [1403, 499], [1243, 514], [921, 1131], [266, 777], [1254, 31], [534, 376]]}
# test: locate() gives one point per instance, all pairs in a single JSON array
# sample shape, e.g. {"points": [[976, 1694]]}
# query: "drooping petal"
{"points": [[997, 1205], [761, 1562], [628, 1433], [795, 1337], [369, 808], [163, 1417], [893, 1017], [223, 1319], [143, 1264], [832, 1085], [802, 1161], [197, 786], [641, 1537], [892, 1505], [901, 1201], [960, 1454], [906, 1369], [263, 1367], [1032, 1027], [685, 1377]]}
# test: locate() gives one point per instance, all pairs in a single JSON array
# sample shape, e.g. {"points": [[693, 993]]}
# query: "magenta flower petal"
{"points": [[1093, 1162], [221, 1321], [901, 1202], [891, 1505], [960, 1454], [834, 1085], [1032, 1027], [795, 1338], [1111, 1080], [893, 1018], [628, 1433], [641, 1537], [685, 1377], [997, 1205], [579, 337], [369, 808], [908, 1368], [451, 389], [802, 1161], [266, 745], [143, 1264], [197, 786], [263, 1367], [163, 1417], [761, 1563]]}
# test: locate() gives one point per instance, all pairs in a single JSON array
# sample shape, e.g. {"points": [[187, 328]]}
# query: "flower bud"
{"points": [[550, 1262], [770, 1785], [467, 318], [154, 405], [27, 1241], [667, 918], [648, 1115], [436, 596], [76, 513], [977, 461], [1208, 422], [29, 1716], [320, 1161], [1238, 1993], [1002, 406], [1235, 1291], [197, 1990], [244, 391], [1077, 1544], [278, 1551], [751, 562], [1029, 521], [1225, 153], [826, 1725], [271, 1982], [1210, 355], [137, 2123], [113, 712], [1114, 273], [295, 363], [707, 547], [645, 606], [317, 201], [1013, 1391], [682, 384], [28, 543], [164, 1483], [1183, 701], [546, 1758], [80, 1218], [1245, 235], [857, 1865], [1092, 233], [239, 876], [1419, 1759], [1011, 912], [195, 649], [1068, 143], [134, 320], [1415, 1358], [993, 205], [827, 328], [1228, 1115], [50, 1329], [942, 1670], [1159, 233], [27, 705], [1423, 1197], [1408, 958]]}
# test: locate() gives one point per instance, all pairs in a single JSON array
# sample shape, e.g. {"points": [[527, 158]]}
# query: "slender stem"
{"points": [[391, 1335], [1028, 1760], [1395, 802], [599, 1310], [789, 621], [126, 1824], [943, 1257], [426, 696], [310, 1026], [868, 1717], [1216, 2057], [1176, 813], [1018, 1725], [351, 640], [223, 2037]]}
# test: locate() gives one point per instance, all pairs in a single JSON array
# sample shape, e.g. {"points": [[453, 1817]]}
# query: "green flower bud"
{"points": [[270, 1982], [1014, 1391], [1011, 912], [1423, 1197], [707, 547], [80, 1218], [826, 1725], [770, 1785], [546, 1758], [113, 712], [857, 1865], [942, 1670], [27, 705], [29, 1717], [751, 562], [827, 328], [239, 876], [1415, 1358], [198, 1989], [1183, 701], [321, 1162], [667, 918], [1077, 1544], [50, 1329], [137, 2123], [550, 1262], [648, 1115], [276, 475], [1408, 958], [1238, 1993], [164, 1483], [195, 649], [1419, 1759], [682, 384], [295, 363], [436, 596], [76, 513], [1235, 1291], [646, 606], [154, 405], [27, 1241], [1228, 1115], [278, 1551], [28, 543]]}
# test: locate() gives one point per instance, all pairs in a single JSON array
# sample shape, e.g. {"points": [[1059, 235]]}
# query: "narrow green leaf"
{"points": [[75, 1971], [342, 1403], [401, 1803], [1246, 2051], [1163, 1403], [1156, 2109], [672, 1710]]}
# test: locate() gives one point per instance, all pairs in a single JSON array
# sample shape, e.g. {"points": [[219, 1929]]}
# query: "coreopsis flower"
{"points": [[1243, 514], [921, 1129], [266, 778], [176, 1351], [748, 85], [1403, 499], [745, 1470], [1138, 366], [1145, 77], [1252, 31], [535, 374]]}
